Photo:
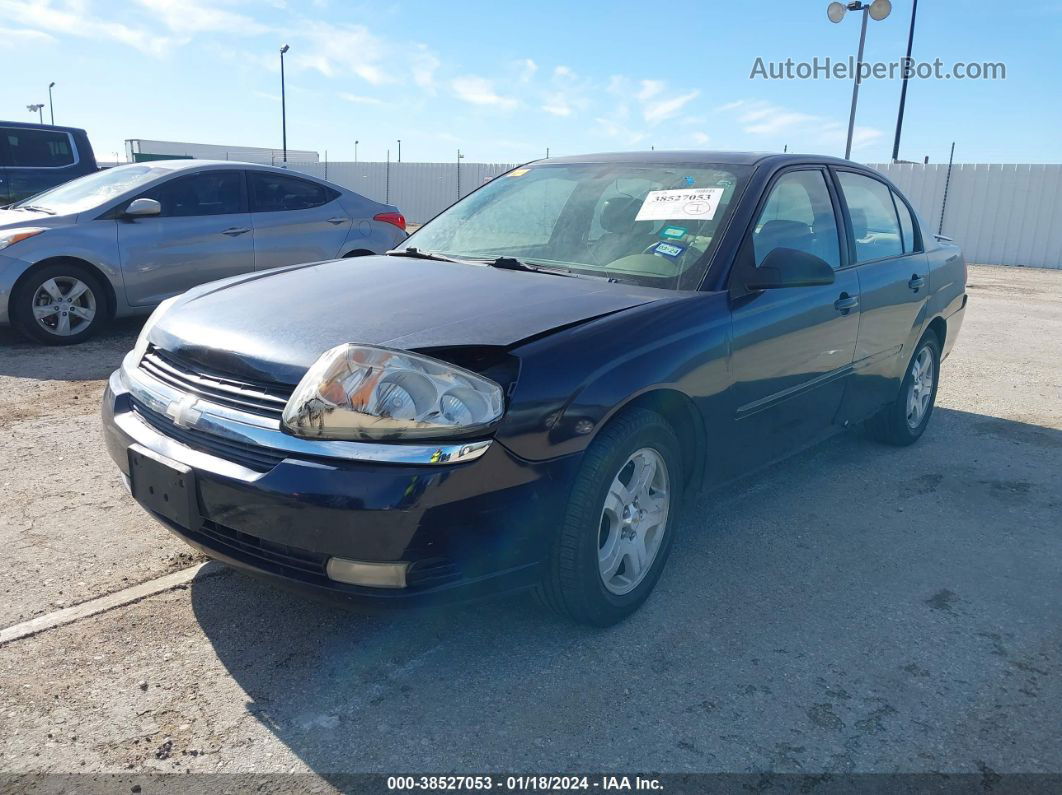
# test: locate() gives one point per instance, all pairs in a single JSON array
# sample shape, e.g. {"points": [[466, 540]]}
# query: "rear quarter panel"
{"points": [[947, 280]]}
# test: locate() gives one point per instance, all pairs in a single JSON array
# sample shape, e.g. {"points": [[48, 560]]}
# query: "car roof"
{"points": [[698, 156], [32, 125]]}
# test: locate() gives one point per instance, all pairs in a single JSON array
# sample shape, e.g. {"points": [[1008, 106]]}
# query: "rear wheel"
{"points": [[617, 532], [904, 420]]}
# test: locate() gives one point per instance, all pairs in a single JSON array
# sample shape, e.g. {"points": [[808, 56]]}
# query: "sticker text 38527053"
{"points": [[695, 204]]}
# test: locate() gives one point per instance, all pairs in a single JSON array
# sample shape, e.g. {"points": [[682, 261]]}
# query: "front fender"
{"points": [[572, 382]]}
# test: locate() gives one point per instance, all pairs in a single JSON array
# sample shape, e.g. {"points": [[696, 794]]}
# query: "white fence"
{"points": [[999, 214], [420, 190]]}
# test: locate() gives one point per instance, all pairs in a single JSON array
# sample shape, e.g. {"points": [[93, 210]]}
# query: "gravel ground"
{"points": [[858, 608]]}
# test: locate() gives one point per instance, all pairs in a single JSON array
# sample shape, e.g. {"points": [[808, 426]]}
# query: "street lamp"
{"points": [[356, 151], [399, 149], [37, 109], [877, 10], [51, 108], [283, 105]]}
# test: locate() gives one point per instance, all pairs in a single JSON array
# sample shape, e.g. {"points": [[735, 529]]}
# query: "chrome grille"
{"points": [[256, 398]]}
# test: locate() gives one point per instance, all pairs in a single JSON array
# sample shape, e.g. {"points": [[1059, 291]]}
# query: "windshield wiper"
{"points": [[416, 253], [35, 207], [514, 264]]}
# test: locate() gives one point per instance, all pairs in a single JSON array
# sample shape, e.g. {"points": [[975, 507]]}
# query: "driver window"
{"points": [[798, 215]]}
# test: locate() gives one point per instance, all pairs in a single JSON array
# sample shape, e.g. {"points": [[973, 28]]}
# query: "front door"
{"points": [[295, 220], [203, 233], [894, 286], [792, 348]]}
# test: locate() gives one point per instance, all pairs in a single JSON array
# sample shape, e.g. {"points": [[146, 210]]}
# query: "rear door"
{"points": [[202, 234], [893, 274], [792, 348], [295, 220]]}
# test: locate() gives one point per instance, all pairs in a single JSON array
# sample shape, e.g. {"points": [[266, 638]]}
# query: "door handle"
{"points": [[845, 303], [337, 221], [916, 282], [233, 231]]}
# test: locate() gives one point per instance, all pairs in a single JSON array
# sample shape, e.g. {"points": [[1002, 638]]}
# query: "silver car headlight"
{"points": [[11, 236], [368, 392], [142, 341]]}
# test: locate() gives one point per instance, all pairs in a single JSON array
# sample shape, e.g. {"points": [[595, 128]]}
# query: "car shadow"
{"points": [[828, 614], [92, 360]]}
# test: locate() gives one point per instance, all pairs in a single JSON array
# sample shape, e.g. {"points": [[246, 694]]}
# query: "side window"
{"points": [[275, 192], [799, 215], [208, 193], [875, 227], [911, 243], [28, 148]]}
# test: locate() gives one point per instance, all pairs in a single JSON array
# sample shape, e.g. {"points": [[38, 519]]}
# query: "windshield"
{"points": [[645, 224], [93, 189]]}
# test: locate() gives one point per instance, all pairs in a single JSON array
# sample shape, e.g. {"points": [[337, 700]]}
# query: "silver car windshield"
{"points": [[649, 224], [94, 189]]}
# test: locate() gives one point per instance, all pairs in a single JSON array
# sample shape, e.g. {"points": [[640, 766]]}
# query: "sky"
{"points": [[503, 81]]}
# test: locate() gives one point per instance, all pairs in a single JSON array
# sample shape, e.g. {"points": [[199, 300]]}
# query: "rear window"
{"points": [[28, 148], [276, 192]]}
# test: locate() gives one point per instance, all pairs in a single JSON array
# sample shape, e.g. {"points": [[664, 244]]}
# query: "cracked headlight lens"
{"points": [[368, 392]]}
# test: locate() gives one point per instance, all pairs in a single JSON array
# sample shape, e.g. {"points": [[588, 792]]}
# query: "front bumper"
{"points": [[467, 529]]}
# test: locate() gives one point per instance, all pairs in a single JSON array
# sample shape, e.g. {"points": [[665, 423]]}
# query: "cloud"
{"points": [[612, 129], [74, 19], [557, 104], [649, 89], [701, 138], [656, 112], [480, 91], [758, 117], [563, 71], [15, 35], [526, 70], [424, 65], [336, 50], [357, 99], [189, 16]]}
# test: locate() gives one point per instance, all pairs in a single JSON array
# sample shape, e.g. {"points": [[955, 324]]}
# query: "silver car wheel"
{"points": [[64, 305], [921, 390], [633, 521]]}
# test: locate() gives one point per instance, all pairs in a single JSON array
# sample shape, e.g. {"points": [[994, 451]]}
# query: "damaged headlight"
{"points": [[142, 341], [368, 392]]}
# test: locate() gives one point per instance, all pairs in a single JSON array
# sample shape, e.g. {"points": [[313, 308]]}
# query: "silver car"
{"points": [[120, 241]]}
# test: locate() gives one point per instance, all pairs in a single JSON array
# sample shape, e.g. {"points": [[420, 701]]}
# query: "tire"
{"points": [[575, 583], [75, 296], [897, 423]]}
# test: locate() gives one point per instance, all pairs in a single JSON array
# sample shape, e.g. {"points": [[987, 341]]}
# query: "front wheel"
{"points": [[617, 533], [904, 420], [60, 305]]}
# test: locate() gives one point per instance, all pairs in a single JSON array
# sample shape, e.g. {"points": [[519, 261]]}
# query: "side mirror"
{"points": [[788, 267], [139, 208]]}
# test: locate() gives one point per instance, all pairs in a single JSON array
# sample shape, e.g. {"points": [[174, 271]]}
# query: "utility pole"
{"points": [[459, 158], [903, 86], [51, 107], [356, 150], [283, 104], [877, 10], [38, 109], [399, 149]]}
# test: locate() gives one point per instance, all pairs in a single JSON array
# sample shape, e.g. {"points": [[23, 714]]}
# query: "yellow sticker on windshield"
{"points": [[518, 172]]}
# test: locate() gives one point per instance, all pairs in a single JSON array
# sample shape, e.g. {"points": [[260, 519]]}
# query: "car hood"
{"points": [[273, 325], [10, 219]]}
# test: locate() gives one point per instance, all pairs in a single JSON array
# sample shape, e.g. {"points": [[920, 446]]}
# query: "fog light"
{"points": [[375, 575]]}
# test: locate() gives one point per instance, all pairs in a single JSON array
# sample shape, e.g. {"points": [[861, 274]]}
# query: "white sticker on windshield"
{"points": [[695, 204]]}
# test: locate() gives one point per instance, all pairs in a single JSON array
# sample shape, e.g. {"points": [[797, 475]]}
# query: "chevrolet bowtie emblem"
{"points": [[183, 412]]}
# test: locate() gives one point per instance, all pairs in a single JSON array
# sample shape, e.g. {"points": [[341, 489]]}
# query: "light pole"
{"points": [[903, 88], [835, 12], [356, 151], [37, 108], [51, 108], [399, 149], [460, 157], [283, 105]]}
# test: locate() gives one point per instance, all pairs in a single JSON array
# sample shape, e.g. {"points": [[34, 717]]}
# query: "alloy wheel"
{"points": [[633, 521], [920, 393], [64, 305]]}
